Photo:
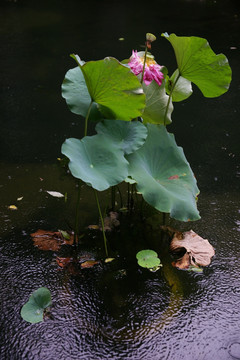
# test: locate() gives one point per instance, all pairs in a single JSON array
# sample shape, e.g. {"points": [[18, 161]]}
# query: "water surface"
{"points": [[114, 311]]}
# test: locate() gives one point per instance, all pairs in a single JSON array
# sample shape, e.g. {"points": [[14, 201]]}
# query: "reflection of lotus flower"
{"points": [[152, 70]]}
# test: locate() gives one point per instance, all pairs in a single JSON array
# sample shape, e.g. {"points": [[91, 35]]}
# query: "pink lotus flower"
{"points": [[152, 70]]}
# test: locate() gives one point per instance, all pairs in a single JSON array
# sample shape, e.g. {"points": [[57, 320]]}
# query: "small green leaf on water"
{"points": [[65, 234], [195, 269], [148, 259], [33, 310]]}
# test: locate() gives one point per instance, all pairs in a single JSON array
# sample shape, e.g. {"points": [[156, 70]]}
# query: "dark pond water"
{"points": [[113, 311]]}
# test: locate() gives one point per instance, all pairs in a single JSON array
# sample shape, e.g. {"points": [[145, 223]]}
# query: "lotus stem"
{"points": [[120, 195], [76, 230], [113, 197], [128, 198], [102, 222], [169, 98], [87, 116]]}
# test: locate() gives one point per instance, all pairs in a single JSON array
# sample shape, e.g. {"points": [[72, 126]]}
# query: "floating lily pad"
{"points": [[33, 310], [163, 175], [115, 89], [198, 63], [97, 162], [129, 136], [148, 259]]}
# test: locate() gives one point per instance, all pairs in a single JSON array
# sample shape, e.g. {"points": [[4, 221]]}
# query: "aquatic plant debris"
{"points": [[12, 207], [198, 250], [55, 194], [110, 222], [89, 264], [51, 240]]}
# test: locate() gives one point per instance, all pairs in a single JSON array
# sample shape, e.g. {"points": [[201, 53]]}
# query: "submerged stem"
{"points": [[102, 222], [113, 191], [76, 230]]}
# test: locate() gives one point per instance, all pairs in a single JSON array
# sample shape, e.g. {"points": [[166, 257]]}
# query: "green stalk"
{"points": [[113, 191], [128, 198], [120, 195], [76, 232], [86, 119], [76, 226], [169, 99], [102, 222]]}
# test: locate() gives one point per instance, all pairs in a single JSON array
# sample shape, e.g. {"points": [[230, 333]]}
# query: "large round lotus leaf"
{"points": [[158, 108], [129, 136], [198, 63], [96, 160], [164, 176], [114, 88], [33, 310], [75, 92], [148, 259]]}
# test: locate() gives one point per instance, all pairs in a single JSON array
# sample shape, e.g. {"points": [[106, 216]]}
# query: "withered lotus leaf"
{"points": [[50, 240], [89, 264], [198, 250]]}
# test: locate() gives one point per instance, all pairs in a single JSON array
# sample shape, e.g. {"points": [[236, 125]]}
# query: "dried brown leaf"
{"points": [[47, 240], [89, 264], [111, 221], [63, 262], [69, 264], [50, 240], [198, 250]]}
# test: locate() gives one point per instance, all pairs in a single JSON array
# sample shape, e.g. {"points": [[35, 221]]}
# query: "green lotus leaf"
{"points": [[96, 160], [33, 310], [198, 63], [158, 105], [163, 175], [75, 92], [114, 88], [148, 259], [179, 87], [128, 136]]}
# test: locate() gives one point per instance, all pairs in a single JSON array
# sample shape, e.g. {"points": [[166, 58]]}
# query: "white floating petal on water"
{"points": [[55, 194]]}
